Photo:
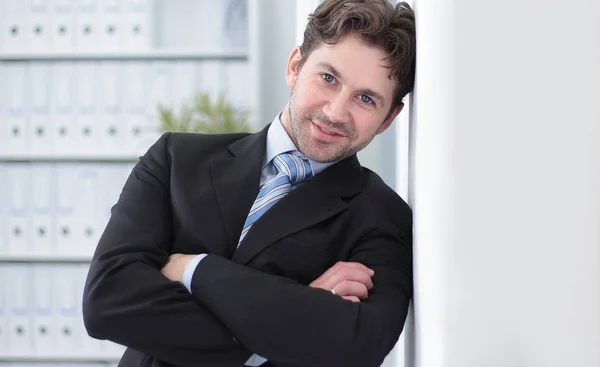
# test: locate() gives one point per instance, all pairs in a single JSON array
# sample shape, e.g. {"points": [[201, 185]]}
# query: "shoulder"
{"points": [[187, 148], [184, 145], [380, 199], [196, 143]]}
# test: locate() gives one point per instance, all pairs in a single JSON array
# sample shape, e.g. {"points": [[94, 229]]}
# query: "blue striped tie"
{"points": [[291, 170]]}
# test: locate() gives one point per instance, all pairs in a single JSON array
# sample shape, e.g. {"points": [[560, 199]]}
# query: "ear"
{"points": [[391, 117], [292, 71]]}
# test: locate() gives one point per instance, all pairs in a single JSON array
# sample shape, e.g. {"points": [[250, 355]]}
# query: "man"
{"points": [[275, 248]]}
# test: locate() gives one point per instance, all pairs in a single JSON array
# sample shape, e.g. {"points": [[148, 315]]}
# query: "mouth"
{"points": [[327, 131], [325, 135]]}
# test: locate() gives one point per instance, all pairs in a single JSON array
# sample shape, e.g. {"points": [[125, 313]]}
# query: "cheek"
{"points": [[310, 95], [366, 123]]}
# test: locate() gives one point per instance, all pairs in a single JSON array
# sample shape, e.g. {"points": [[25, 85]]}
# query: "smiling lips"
{"points": [[327, 131]]}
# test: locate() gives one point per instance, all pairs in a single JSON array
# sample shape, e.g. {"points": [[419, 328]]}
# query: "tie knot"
{"points": [[296, 168]]}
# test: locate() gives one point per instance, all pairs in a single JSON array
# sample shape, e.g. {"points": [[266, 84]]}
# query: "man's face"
{"points": [[340, 99]]}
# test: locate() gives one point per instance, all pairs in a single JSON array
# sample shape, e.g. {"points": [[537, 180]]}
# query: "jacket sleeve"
{"points": [[128, 301], [295, 325]]}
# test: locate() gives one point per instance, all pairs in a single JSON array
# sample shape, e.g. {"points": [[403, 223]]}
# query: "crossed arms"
{"points": [[234, 311]]}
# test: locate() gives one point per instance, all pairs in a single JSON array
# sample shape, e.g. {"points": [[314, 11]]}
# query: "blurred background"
{"points": [[86, 86]]}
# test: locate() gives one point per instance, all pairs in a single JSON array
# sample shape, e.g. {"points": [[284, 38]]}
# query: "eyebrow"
{"points": [[333, 71]]}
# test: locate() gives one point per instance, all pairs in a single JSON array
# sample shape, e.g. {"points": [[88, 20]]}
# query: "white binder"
{"points": [[65, 288], [40, 28], [64, 30], [3, 98], [18, 223], [14, 132], [43, 194], [136, 26], [90, 346], [4, 315], [20, 331], [67, 240], [15, 27], [86, 132], [135, 99], [3, 215], [62, 117], [105, 177], [88, 222], [111, 102], [161, 85], [45, 332], [160, 92], [135, 87], [3, 28], [111, 34], [40, 123], [88, 26], [113, 179]]}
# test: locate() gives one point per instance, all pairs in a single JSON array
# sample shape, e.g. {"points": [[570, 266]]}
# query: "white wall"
{"points": [[505, 184]]}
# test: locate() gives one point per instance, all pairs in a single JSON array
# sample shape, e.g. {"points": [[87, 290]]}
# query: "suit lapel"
{"points": [[317, 200], [236, 178]]}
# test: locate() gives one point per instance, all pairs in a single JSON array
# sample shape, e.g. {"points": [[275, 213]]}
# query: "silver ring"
{"points": [[333, 291]]}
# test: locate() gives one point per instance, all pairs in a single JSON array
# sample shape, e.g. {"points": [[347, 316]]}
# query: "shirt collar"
{"points": [[278, 141]]}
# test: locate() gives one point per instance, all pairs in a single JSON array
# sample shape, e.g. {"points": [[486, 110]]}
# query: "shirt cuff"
{"points": [[255, 360], [188, 273]]}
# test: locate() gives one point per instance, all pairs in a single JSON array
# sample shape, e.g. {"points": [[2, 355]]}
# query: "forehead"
{"points": [[361, 66]]}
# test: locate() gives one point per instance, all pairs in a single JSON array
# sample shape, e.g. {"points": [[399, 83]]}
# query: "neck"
{"points": [[285, 121]]}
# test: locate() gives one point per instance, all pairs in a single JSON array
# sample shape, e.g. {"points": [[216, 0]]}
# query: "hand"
{"points": [[175, 266], [350, 280]]}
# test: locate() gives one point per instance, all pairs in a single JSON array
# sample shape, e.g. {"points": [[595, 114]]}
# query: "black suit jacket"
{"points": [[190, 193]]}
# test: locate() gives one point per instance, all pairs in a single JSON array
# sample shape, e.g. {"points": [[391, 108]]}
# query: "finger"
{"points": [[361, 266], [344, 271], [352, 274], [356, 265], [352, 299], [350, 288], [323, 280]]}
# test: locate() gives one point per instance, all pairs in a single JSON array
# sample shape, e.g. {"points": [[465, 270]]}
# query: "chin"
{"points": [[322, 159], [320, 155], [314, 149]]}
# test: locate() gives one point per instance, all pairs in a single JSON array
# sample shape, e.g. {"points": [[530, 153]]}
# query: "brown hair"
{"points": [[377, 23]]}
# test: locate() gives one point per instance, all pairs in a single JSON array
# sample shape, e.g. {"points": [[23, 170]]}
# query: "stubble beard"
{"points": [[315, 150]]}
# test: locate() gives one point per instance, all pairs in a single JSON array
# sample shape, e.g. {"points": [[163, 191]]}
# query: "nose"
{"points": [[336, 108]]}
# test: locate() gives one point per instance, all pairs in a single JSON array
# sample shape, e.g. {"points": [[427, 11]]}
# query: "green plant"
{"points": [[204, 115]]}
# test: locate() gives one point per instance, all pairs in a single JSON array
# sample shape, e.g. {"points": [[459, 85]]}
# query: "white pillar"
{"points": [[272, 38], [303, 9], [505, 184]]}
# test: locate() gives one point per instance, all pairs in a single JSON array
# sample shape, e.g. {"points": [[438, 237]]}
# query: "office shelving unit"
{"points": [[70, 133]]}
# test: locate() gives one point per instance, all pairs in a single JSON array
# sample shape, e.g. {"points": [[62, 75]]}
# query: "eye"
{"points": [[366, 99], [327, 77]]}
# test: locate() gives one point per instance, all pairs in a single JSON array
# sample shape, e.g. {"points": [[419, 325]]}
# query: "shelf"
{"points": [[59, 358], [49, 258], [154, 55]]}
